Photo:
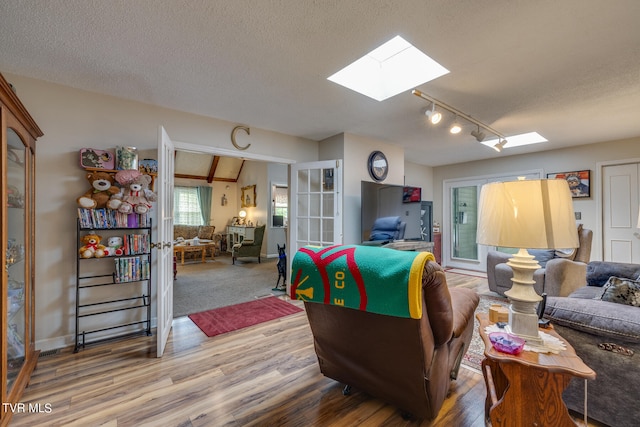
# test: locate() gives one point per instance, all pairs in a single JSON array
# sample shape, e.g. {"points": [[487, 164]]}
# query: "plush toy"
{"points": [[134, 196], [102, 189], [114, 246], [91, 247]]}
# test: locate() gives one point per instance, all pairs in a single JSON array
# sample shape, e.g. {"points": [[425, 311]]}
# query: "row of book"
{"points": [[135, 244], [108, 218], [131, 269]]}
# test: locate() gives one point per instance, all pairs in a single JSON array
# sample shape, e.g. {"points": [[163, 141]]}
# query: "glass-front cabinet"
{"points": [[19, 133]]}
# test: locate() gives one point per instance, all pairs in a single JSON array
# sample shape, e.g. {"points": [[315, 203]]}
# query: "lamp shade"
{"points": [[527, 214]]}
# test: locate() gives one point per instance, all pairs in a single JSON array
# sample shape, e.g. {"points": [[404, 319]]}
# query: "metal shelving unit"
{"points": [[121, 295]]}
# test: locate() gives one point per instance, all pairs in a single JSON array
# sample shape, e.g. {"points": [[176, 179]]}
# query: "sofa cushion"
{"points": [[542, 255], [184, 231], [621, 291], [600, 318], [206, 232], [598, 272]]}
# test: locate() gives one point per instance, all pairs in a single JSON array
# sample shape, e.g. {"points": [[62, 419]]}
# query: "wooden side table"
{"points": [[526, 389]]}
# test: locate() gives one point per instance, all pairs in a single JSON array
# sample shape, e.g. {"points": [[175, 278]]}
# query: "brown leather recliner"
{"points": [[406, 362]]}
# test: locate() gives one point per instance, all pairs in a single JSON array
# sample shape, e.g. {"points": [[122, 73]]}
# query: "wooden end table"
{"points": [[526, 389]]}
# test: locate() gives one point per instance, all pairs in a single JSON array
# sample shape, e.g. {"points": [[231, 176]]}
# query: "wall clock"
{"points": [[378, 165]]}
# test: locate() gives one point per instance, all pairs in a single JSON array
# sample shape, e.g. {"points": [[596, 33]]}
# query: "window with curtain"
{"points": [[280, 203], [186, 206]]}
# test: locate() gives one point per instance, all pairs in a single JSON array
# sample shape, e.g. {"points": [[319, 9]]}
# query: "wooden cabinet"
{"points": [[19, 134], [437, 247]]}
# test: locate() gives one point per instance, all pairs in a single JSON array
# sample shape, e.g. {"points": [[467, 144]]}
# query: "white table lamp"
{"points": [[526, 214]]}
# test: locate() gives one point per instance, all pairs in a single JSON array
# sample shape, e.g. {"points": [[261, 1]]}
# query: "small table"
{"points": [[181, 249], [526, 389]]}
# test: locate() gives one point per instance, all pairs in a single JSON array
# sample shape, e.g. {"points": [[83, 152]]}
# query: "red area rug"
{"points": [[231, 318]]}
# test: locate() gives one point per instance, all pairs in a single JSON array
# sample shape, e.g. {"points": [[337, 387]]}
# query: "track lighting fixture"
{"points": [[478, 134], [433, 115], [500, 145], [455, 127]]}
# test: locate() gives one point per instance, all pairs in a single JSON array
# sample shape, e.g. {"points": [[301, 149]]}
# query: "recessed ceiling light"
{"points": [[518, 140], [388, 70]]}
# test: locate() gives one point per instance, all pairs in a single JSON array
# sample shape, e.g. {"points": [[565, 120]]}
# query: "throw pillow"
{"points": [[542, 255], [621, 291], [566, 253]]}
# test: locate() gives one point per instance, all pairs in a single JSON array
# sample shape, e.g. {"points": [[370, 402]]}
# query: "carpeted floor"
{"points": [[205, 286], [473, 357]]}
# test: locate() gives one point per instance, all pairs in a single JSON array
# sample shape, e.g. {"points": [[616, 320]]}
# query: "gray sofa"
{"points": [[562, 272], [588, 322]]}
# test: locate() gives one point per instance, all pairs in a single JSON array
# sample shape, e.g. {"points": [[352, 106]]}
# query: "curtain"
{"points": [[204, 198]]}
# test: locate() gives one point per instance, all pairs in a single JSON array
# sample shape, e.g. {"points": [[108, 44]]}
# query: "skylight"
{"points": [[518, 140], [388, 70]]}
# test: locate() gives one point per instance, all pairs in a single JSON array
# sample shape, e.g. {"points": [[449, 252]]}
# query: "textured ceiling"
{"points": [[569, 69]]}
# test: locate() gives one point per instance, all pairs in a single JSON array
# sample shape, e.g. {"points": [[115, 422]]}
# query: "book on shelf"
{"points": [[131, 269], [108, 218]]}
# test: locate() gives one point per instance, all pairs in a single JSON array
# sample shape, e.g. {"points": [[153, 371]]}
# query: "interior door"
{"points": [[316, 204], [164, 186], [621, 188]]}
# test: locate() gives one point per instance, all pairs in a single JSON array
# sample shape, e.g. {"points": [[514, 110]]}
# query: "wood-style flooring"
{"points": [[265, 375]]}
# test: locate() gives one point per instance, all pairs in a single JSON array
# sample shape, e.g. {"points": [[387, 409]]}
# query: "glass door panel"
{"points": [[16, 261], [464, 208]]}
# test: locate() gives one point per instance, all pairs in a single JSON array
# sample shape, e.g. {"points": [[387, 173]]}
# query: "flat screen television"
{"points": [[382, 200]]}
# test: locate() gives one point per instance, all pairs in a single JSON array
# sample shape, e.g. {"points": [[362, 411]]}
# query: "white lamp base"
{"points": [[523, 319]]}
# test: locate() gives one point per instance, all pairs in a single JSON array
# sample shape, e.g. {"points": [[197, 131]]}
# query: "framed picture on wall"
{"points": [[249, 196], [579, 182]]}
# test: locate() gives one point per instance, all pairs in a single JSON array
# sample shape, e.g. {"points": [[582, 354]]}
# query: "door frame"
{"points": [[598, 190]]}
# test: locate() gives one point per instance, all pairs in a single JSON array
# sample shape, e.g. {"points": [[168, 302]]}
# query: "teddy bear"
{"points": [[114, 246], [102, 188], [91, 247], [134, 196]]}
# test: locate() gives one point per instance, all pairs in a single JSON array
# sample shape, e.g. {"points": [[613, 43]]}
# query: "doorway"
{"points": [[225, 199]]}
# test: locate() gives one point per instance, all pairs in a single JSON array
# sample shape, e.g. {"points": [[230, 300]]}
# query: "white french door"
{"points": [[164, 185], [316, 208]]}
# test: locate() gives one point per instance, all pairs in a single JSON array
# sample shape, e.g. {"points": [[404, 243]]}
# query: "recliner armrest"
{"points": [[563, 276], [463, 302]]}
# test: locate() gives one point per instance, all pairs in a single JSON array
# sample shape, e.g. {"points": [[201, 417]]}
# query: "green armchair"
{"points": [[249, 248]]}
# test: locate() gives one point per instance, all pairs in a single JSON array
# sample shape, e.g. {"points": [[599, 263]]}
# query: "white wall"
{"points": [[355, 150], [561, 160], [73, 119]]}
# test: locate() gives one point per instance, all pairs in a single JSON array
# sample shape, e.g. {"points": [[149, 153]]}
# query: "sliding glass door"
{"points": [[460, 221]]}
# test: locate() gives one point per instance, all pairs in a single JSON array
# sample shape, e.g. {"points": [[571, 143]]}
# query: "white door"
{"points": [[620, 195], [316, 204], [164, 185]]}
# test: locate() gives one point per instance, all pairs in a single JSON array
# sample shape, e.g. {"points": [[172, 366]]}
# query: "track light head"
{"points": [[478, 134], [455, 127], [500, 145], [433, 115]]}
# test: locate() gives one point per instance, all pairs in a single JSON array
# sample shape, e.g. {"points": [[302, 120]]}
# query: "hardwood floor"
{"points": [[265, 375]]}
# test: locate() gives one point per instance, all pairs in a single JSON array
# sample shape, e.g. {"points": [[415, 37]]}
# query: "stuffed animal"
{"points": [[101, 190], [134, 196], [91, 247], [114, 246]]}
